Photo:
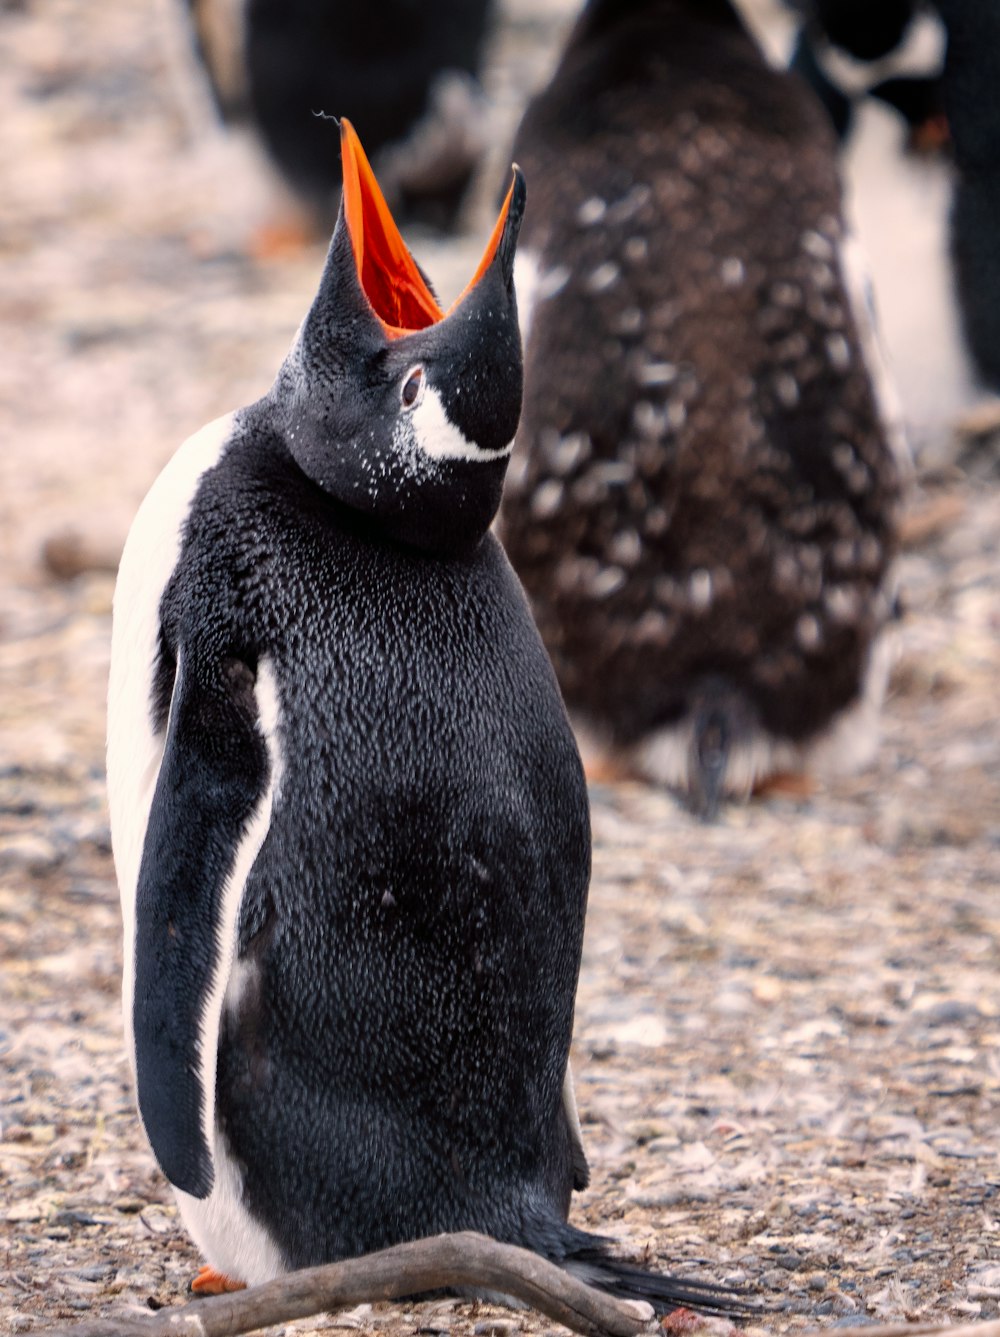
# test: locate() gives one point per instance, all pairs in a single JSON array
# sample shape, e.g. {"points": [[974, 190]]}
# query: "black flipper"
{"points": [[214, 773]]}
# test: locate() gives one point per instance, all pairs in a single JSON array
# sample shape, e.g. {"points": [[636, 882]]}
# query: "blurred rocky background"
{"points": [[788, 1032]]}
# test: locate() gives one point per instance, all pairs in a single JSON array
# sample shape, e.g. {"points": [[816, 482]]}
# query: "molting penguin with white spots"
{"points": [[349, 818], [702, 500]]}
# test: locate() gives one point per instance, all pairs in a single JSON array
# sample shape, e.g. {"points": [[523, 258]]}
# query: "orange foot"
{"points": [[785, 784], [930, 137], [210, 1282]]}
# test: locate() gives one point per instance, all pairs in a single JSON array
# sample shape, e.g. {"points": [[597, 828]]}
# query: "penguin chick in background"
{"points": [[703, 495], [349, 818], [405, 72]]}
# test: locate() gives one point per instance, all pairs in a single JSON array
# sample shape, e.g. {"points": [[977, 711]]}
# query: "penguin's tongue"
{"points": [[389, 275]]}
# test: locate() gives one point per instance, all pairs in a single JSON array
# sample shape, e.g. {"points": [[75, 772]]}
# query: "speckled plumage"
{"points": [[702, 496]]}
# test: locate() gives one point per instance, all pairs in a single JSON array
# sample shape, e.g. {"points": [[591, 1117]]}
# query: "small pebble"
{"points": [[95, 1272], [128, 1204], [32, 852]]}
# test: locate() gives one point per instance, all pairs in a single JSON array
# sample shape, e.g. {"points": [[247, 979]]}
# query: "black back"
{"points": [[866, 30], [413, 922]]}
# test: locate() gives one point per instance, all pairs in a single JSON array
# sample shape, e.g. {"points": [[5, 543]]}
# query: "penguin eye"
{"points": [[413, 388]]}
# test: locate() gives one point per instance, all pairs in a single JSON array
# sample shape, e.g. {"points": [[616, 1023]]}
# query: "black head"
{"points": [[400, 410], [599, 17], [866, 31]]}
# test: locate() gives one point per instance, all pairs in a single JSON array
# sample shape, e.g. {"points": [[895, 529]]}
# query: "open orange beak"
{"points": [[389, 276]]}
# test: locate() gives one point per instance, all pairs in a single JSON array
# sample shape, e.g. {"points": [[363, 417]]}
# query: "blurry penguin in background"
{"points": [[939, 66], [898, 199], [404, 71], [703, 497], [972, 104], [890, 50]]}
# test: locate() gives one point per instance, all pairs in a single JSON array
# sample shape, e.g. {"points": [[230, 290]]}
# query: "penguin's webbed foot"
{"points": [[785, 784], [210, 1282]]}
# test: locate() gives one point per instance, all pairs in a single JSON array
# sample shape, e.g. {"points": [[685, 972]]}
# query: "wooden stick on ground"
{"points": [[465, 1260], [990, 1328]]}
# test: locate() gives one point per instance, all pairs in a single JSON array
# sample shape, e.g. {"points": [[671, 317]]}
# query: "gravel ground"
{"points": [[788, 1032]]}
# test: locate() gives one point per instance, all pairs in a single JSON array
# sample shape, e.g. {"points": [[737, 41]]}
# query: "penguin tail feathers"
{"points": [[589, 1258], [721, 722], [628, 1281]]}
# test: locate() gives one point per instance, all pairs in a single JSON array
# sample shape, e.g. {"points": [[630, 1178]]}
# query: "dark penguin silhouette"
{"points": [[405, 72], [847, 50], [350, 822], [957, 103], [702, 499], [972, 102]]}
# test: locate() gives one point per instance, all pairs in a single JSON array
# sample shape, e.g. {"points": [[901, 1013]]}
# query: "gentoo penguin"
{"points": [[701, 504], [405, 72], [892, 51], [848, 48], [349, 817]]}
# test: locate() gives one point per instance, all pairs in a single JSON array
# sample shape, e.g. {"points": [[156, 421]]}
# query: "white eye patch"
{"points": [[437, 436]]}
